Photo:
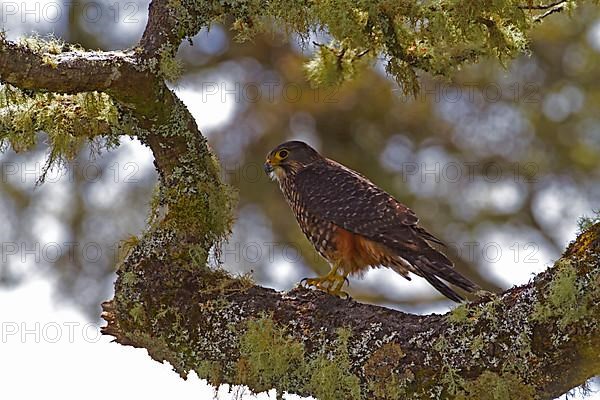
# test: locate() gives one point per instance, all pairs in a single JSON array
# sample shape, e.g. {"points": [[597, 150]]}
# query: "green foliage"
{"points": [[269, 357], [459, 314], [209, 370], [202, 209], [436, 37], [584, 223], [199, 203], [491, 386], [465, 346], [334, 64], [568, 298], [68, 120], [450, 379], [138, 313], [170, 67], [331, 378], [38, 44]]}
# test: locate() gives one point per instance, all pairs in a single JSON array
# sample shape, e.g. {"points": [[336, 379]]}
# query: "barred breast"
{"points": [[318, 231]]}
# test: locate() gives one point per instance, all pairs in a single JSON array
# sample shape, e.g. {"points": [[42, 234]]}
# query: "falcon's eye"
{"points": [[281, 154]]}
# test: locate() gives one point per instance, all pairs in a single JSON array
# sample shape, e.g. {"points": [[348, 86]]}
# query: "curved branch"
{"points": [[67, 72], [160, 30], [542, 338], [193, 208], [119, 74]]}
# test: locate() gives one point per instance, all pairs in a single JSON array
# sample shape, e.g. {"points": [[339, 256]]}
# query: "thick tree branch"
{"points": [[119, 74], [66, 72], [160, 32], [193, 208], [540, 338]]}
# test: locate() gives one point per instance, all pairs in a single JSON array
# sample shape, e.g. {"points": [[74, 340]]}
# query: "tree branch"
{"points": [[193, 208], [548, 9], [160, 30], [540, 338], [68, 72], [542, 6], [119, 74]]}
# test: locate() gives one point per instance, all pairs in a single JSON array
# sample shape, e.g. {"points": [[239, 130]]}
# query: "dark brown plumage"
{"points": [[354, 224]]}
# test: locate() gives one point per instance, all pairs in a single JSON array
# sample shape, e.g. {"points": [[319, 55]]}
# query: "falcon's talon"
{"points": [[318, 283], [339, 293], [340, 280]]}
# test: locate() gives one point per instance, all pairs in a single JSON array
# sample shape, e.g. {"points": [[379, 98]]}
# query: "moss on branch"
{"points": [[513, 346], [435, 37], [69, 121], [410, 36]]}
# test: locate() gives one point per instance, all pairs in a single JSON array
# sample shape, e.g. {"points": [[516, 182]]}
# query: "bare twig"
{"points": [[541, 6]]}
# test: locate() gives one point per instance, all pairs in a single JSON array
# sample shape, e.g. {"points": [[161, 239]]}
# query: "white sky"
{"points": [[50, 350]]}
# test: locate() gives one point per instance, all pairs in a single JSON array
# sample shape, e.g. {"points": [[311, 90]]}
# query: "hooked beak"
{"points": [[268, 167]]}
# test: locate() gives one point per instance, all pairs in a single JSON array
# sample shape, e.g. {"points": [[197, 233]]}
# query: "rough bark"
{"points": [[534, 341]]}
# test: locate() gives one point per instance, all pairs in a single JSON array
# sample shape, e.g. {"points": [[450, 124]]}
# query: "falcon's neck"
{"points": [[287, 173], [287, 180], [287, 183]]}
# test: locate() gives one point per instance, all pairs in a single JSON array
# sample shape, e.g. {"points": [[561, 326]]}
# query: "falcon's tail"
{"points": [[435, 266]]}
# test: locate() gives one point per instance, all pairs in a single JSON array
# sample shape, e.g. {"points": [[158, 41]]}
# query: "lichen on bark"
{"points": [[308, 342]]}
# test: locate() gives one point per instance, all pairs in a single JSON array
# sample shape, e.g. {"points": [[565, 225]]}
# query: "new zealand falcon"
{"points": [[354, 224]]}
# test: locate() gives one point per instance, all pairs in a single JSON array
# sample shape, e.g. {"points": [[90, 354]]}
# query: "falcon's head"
{"points": [[289, 158]]}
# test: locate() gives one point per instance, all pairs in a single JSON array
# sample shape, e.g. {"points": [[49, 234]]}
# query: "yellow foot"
{"points": [[322, 282], [339, 293], [336, 288], [330, 283]]}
